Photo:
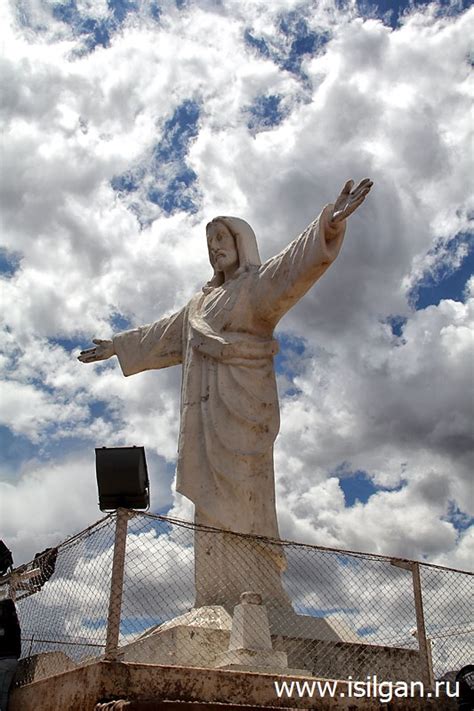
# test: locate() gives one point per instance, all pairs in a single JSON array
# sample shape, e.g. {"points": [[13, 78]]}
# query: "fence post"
{"points": [[116, 586], [423, 643], [424, 648]]}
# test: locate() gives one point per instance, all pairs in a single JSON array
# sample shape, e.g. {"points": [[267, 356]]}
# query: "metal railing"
{"points": [[147, 588]]}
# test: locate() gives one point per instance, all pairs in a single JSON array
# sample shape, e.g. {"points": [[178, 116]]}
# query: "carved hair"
{"points": [[246, 246]]}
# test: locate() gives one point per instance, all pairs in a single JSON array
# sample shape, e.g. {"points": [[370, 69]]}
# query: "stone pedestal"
{"points": [[208, 637], [194, 639], [250, 645], [226, 565]]}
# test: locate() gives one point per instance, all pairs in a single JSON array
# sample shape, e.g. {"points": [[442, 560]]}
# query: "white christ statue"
{"points": [[223, 338]]}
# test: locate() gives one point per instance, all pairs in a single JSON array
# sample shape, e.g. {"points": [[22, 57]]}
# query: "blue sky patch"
{"points": [[397, 324], [257, 43], [99, 408], [155, 11], [158, 526], [96, 32], [366, 631], [9, 262], [17, 449], [14, 450], [357, 487], [69, 344], [292, 349], [297, 41], [460, 520], [172, 181], [121, 8], [265, 112], [289, 360], [392, 11], [178, 132], [445, 283], [120, 323], [302, 41], [175, 196], [98, 623], [128, 182]]}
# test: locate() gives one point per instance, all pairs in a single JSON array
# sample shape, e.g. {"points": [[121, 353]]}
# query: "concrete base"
{"points": [[142, 684], [41, 666], [252, 659], [194, 639], [330, 628], [200, 637], [258, 661]]}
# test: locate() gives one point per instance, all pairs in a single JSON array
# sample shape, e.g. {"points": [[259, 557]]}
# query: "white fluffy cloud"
{"points": [[391, 104]]}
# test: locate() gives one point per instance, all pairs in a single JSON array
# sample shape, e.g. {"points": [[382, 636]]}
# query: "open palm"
{"points": [[349, 199], [103, 349]]}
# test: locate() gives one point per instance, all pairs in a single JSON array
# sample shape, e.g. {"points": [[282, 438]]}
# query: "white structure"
{"points": [[223, 338]]}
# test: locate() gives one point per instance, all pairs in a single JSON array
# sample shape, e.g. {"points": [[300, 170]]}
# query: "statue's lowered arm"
{"points": [[158, 345]]}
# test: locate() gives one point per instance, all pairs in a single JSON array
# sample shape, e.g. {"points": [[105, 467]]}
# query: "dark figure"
{"points": [[6, 559], [465, 679], [10, 648]]}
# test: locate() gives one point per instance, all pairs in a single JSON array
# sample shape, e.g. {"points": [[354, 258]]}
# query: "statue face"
{"points": [[222, 249]]}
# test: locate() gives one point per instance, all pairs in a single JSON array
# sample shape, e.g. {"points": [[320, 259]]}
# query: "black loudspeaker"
{"points": [[122, 478]]}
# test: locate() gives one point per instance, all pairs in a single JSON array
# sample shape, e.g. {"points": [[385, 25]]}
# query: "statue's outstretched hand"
{"points": [[349, 199], [102, 351]]}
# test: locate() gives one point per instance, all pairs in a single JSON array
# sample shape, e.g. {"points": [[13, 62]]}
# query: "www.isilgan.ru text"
{"points": [[371, 688]]}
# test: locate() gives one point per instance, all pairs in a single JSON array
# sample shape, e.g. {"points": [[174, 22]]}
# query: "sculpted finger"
{"points": [[339, 216], [98, 341], [347, 187], [364, 184], [358, 201], [354, 206], [360, 193]]}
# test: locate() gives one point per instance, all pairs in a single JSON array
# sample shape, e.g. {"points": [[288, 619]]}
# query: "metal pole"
{"points": [[116, 586], [423, 644]]}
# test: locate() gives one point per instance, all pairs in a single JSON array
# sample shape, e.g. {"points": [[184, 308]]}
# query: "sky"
{"points": [[126, 126]]}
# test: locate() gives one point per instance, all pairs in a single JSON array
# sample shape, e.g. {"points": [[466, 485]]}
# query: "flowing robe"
{"points": [[229, 402]]}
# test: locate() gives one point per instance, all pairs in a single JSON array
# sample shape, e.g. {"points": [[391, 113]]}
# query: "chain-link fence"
{"points": [[143, 588]]}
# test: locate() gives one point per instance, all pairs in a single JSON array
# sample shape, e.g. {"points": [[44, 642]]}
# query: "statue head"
{"points": [[245, 245]]}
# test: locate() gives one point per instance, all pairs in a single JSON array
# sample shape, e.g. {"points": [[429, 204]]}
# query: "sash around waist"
{"points": [[225, 351]]}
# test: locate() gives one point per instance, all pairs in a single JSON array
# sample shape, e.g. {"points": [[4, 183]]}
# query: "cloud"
{"points": [[361, 415], [88, 253]]}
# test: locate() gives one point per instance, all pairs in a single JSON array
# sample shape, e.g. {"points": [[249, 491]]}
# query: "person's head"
{"points": [[232, 248]]}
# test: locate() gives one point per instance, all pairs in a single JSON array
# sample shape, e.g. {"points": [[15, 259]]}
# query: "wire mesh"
{"points": [[448, 602], [331, 613]]}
